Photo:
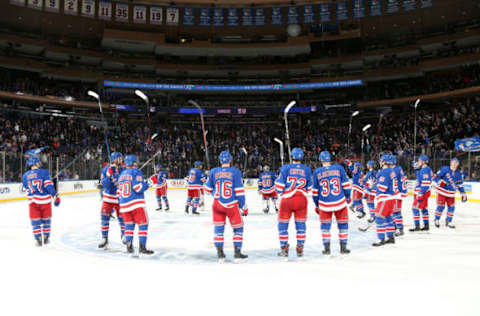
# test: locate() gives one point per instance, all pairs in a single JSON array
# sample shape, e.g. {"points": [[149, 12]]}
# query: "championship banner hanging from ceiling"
{"points": [[324, 12], [342, 10], [308, 14], [376, 7], [247, 16], [18, 2], [232, 17], [189, 16], [218, 17], [204, 17], [259, 16], [358, 9], [392, 6], [408, 5], [276, 18], [426, 4], [292, 15]]}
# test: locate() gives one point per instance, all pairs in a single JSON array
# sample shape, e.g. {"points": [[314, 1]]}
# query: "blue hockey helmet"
{"points": [[225, 157], [385, 158], [159, 166], [455, 159], [423, 158], [325, 156], [197, 163], [115, 155], [32, 160], [358, 165], [371, 163], [393, 159], [130, 159], [297, 153]]}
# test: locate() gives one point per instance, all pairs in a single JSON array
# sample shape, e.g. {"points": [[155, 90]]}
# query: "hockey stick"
{"points": [[280, 143], [195, 104], [364, 229], [415, 130], [246, 159], [97, 97], [350, 130], [69, 164], [148, 161], [287, 136]]}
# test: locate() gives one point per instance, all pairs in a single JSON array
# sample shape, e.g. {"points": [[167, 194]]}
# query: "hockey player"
{"points": [[357, 190], [266, 188], [448, 179], [159, 179], [400, 185], [195, 180], [226, 186], [293, 184], [40, 191], [131, 197], [109, 180], [385, 202], [331, 194], [369, 182], [422, 191]]}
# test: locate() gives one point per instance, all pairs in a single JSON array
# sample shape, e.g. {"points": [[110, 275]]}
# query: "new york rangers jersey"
{"points": [[331, 188], [39, 186], [385, 185], [160, 179], [109, 179], [294, 178], [195, 179], [400, 182], [225, 185], [369, 182], [357, 178], [131, 188], [266, 182], [424, 180], [449, 181]]}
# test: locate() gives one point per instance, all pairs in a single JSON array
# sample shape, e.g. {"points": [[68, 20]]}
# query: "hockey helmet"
{"points": [[423, 158], [225, 157], [130, 160], [297, 153], [197, 163], [325, 156], [115, 155], [32, 160]]}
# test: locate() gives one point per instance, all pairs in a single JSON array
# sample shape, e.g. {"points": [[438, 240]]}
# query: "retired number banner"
{"points": [[18, 2], [172, 16], [35, 4], [140, 14], [104, 10], [88, 8], [121, 12], [52, 5], [156, 15], [70, 7]]}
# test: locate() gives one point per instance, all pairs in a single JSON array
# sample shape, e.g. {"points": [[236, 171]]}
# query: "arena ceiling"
{"points": [[229, 2]]}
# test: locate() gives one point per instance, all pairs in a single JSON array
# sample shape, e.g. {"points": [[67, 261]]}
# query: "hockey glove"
{"points": [[56, 200], [245, 211], [317, 210], [152, 180], [464, 198]]}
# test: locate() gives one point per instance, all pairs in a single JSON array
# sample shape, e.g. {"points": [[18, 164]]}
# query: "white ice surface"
{"points": [[422, 274]]}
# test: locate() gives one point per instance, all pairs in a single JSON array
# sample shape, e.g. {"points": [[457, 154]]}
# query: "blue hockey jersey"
{"points": [[109, 179], [357, 178], [161, 179], [385, 185], [226, 186], [39, 186], [195, 179], [266, 182], [294, 178], [331, 188], [400, 182], [424, 180], [131, 188], [369, 182], [449, 181]]}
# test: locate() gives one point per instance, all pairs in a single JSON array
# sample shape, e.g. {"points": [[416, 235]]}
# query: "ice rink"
{"points": [[422, 274]]}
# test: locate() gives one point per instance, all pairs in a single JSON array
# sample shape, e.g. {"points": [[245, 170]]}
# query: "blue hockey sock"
{"points": [[343, 231], [439, 211], [301, 228], [398, 219], [196, 201], [371, 209], [121, 222], [425, 216], [129, 228], [189, 203], [159, 201], [165, 200], [46, 223], [283, 233], [451, 211], [380, 223], [325, 228], [37, 228], [389, 226], [218, 235], [105, 220], [238, 237], [142, 234], [416, 216]]}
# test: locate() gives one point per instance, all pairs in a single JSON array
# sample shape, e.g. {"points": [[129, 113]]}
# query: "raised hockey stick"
{"points": [[97, 97], [246, 159], [148, 161], [195, 104], [287, 135], [70, 163], [415, 130], [280, 143]]}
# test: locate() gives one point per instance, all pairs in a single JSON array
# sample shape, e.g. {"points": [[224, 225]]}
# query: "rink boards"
{"points": [[15, 191]]}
